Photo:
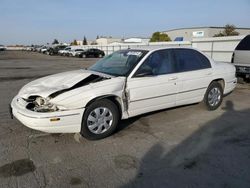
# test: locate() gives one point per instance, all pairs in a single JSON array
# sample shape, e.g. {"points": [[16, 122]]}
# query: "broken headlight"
{"points": [[40, 104]]}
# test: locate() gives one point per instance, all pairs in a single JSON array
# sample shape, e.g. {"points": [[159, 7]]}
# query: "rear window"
{"points": [[244, 44], [189, 60]]}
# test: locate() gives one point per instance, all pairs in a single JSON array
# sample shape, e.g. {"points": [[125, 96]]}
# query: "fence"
{"points": [[219, 48], [111, 48]]}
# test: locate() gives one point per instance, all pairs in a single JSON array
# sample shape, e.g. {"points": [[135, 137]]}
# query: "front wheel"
{"points": [[214, 95], [100, 120]]}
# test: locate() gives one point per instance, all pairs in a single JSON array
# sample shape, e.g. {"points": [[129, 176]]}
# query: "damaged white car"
{"points": [[122, 85]]}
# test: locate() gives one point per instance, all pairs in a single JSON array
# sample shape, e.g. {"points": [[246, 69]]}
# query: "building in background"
{"points": [[137, 40], [80, 42], [104, 41], [187, 34]]}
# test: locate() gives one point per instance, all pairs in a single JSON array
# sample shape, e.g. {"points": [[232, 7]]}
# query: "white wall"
{"points": [[15, 48], [219, 48], [108, 49]]}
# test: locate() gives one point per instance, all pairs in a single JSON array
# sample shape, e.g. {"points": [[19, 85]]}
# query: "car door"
{"points": [[194, 75], [91, 53], [154, 84]]}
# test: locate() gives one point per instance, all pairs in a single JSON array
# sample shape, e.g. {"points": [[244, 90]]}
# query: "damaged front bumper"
{"points": [[67, 121]]}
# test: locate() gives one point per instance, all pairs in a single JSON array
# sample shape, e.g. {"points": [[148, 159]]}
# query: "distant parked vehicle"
{"points": [[2, 48], [54, 50], [92, 52], [29, 49], [36, 48], [241, 58], [64, 51], [75, 52], [44, 49]]}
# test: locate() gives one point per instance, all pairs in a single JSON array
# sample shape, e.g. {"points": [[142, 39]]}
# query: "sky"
{"points": [[41, 21]]}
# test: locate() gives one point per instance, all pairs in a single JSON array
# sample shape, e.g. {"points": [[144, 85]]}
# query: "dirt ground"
{"points": [[180, 147]]}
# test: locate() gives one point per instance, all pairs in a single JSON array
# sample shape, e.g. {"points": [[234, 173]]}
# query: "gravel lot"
{"points": [[180, 147]]}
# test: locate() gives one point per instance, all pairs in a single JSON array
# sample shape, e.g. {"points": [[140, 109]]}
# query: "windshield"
{"points": [[119, 63]]}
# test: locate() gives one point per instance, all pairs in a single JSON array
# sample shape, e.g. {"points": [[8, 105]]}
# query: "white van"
{"points": [[241, 58]]}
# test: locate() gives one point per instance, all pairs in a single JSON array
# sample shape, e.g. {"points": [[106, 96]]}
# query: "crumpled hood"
{"points": [[50, 84]]}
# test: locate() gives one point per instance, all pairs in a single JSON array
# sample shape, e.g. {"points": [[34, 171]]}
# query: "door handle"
{"points": [[173, 78], [209, 73]]}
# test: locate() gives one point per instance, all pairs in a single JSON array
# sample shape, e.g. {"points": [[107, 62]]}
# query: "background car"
{"points": [[44, 49], [241, 58], [64, 51], [92, 52], [75, 52], [2, 48], [54, 50]]}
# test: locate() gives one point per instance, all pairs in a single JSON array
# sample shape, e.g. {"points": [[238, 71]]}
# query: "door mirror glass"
{"points": [[144, 71]]}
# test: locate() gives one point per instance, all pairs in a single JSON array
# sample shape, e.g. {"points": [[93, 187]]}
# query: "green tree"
{"points": [[74, 43], [159, 37], [55, 41], [93, 43], [85, 41], [97, 37], [229, 30]]}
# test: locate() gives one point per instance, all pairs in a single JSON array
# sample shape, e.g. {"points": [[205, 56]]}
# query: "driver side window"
{"points": [[158, 63]]}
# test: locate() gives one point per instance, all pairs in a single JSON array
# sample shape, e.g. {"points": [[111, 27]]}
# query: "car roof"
{"points": [[152, 48]]}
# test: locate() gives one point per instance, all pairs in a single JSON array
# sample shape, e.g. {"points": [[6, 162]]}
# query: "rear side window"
{"points": [[189, 60], [244, 44]]}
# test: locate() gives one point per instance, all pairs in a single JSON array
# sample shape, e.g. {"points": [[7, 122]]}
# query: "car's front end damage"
{"points": [[46, 118], [56, 103]]}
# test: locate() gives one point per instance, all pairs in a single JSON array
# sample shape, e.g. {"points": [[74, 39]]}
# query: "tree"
{"points": [[74, 43], [93, 43], [85, 41], [229, 30], [159, 37], [97, 37], [55, 41]]}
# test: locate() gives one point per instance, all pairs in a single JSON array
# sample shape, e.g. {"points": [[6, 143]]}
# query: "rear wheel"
{"points": [[100, 120], [84, 56], [214, 95]]}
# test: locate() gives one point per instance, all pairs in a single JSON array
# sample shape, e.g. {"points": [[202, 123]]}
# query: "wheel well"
{"points": [[112, 98], [220, 81]]}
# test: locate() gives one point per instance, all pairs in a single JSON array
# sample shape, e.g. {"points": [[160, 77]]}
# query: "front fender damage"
{"points": [[80, 97]]}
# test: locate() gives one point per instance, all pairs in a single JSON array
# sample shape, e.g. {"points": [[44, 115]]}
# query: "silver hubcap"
{"points": [[99, 120], [214, 96]]}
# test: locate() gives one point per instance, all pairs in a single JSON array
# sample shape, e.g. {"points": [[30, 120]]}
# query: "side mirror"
{"points": [[144, 72]]}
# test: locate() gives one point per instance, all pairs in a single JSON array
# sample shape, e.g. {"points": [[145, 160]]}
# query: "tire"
{"points": [[214, 96], [84, 56], [100, 55], [93, 128]]}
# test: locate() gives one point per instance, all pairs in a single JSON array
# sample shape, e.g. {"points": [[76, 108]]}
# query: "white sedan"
{"points": [[65, 51], [75, 52], [122, 85]]}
